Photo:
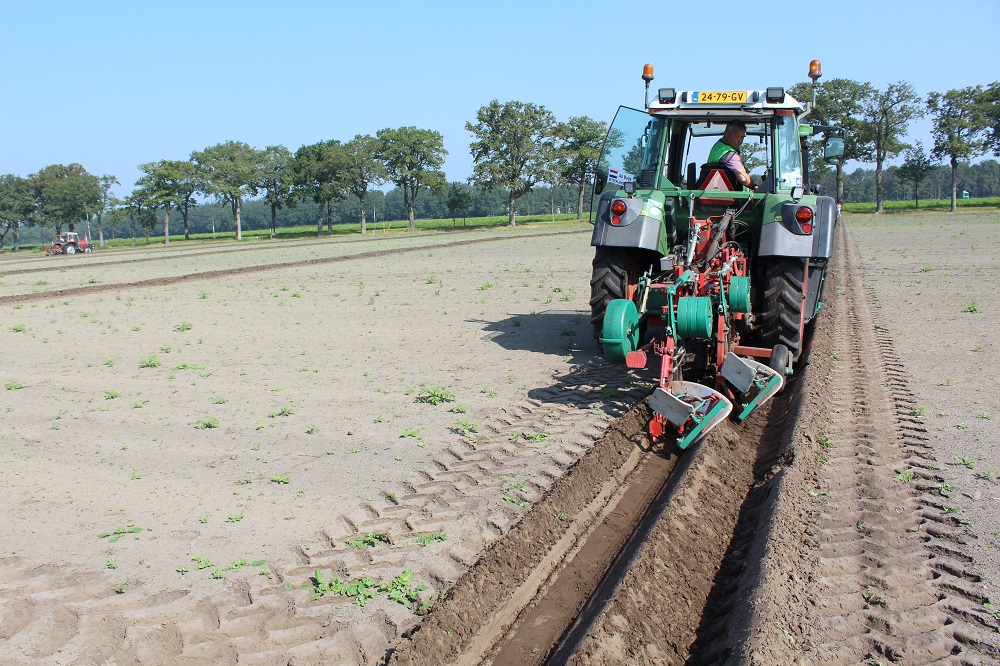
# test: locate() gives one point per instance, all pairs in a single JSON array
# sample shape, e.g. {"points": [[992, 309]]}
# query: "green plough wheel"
{"points": [[621, 330], [739, 294], [694, 317]]}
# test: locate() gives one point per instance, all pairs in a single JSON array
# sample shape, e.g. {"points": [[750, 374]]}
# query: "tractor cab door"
{"points": [[631, 151]]}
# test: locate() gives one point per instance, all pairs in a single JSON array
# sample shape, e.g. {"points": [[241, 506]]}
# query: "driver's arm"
{"points": [[735, 164]]}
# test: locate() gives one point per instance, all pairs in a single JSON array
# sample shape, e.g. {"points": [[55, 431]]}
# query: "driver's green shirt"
{"points": [[720, 150]]}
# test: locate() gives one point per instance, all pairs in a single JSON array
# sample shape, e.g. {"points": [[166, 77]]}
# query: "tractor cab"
{"points": [[665, 150]]}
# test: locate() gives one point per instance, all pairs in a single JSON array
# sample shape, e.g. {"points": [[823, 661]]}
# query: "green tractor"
{"points": [[721, 281]]}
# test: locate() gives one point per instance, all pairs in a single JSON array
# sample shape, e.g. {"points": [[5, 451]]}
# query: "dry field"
{"points": [[188, 434], [935, 276], [255, 408]]}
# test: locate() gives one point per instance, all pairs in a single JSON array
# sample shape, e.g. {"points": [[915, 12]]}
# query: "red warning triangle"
{"points": [[717, 180]]}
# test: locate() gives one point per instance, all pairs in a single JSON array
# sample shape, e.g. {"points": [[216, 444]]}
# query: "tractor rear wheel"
{"points": [[615, 275], [781, 320]]}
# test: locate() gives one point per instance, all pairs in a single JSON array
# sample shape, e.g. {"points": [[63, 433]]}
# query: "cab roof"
{"points": [[722, 104]]}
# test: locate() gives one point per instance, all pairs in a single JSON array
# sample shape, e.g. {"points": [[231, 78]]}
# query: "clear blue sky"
{"points": [[112, 85]]}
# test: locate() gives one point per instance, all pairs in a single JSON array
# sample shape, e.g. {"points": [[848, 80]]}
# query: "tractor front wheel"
{"points": [[616, 275], [71, 249], [781, 321]]}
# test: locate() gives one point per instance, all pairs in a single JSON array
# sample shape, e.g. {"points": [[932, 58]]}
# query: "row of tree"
{"points": [[516, 147], [965, 125]]}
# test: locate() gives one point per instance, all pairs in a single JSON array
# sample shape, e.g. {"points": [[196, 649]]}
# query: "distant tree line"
{"points": [[965, 126], [517, 148]]}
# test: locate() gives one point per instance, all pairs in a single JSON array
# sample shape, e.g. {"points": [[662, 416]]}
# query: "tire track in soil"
{"points": [[227, 272], [891, 579], [257, 622]]}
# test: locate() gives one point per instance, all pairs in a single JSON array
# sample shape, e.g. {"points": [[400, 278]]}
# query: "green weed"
{"points": [[284, 411], [906, 476], [465, 426], [19, 328], [410, 432], [119, 533], [965, 460], [206, 423], [151, 362], [360, 590], [874, 598], [234, 517], [371, 539], [13, 385], [972, 307], [401, 590], [281, 480], [429, 538], [111, 395], [183, 326], [435, 395], [203, 562]]}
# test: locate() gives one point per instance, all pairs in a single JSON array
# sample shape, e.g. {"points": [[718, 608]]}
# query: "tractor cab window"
{"points": [[789, 158], [753, 152], [631, 150]]}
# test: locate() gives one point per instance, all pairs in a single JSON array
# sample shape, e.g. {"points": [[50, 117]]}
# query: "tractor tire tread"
{"points": [[608, 281], [783, 304]]}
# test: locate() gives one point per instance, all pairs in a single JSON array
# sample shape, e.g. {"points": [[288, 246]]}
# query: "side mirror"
{"points": [[600, 179], [833, 150]]}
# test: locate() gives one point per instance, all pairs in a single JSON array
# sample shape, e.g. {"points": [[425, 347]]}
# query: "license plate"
{"points": [[720, 97]]}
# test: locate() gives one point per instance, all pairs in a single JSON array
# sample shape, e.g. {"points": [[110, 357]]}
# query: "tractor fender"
{"points": [[634, 230], [783, 237]]}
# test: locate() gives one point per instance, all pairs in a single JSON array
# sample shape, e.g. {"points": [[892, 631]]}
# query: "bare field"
{"points": [[266, 416], [243, 414], [935, 276]]}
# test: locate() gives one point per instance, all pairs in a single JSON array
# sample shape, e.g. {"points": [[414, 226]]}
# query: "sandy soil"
{"points": [[854, 522], [935, 276], [257, 420], [821, 531]]}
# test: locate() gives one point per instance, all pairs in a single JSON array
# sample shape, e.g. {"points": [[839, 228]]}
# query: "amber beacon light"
{"points": [[815, 70]]}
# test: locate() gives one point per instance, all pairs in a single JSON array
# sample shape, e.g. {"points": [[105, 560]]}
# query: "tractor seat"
{"points": [[716, 176]]}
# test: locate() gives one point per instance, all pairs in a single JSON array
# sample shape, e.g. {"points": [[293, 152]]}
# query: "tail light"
{"points": [[804, 216], [618, 209]]}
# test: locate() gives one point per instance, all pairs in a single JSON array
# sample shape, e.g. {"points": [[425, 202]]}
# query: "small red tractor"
{"points": [[69, 243]]}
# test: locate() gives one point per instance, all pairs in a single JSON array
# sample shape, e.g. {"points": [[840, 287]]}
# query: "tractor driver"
{"points": [[727, 151]]}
